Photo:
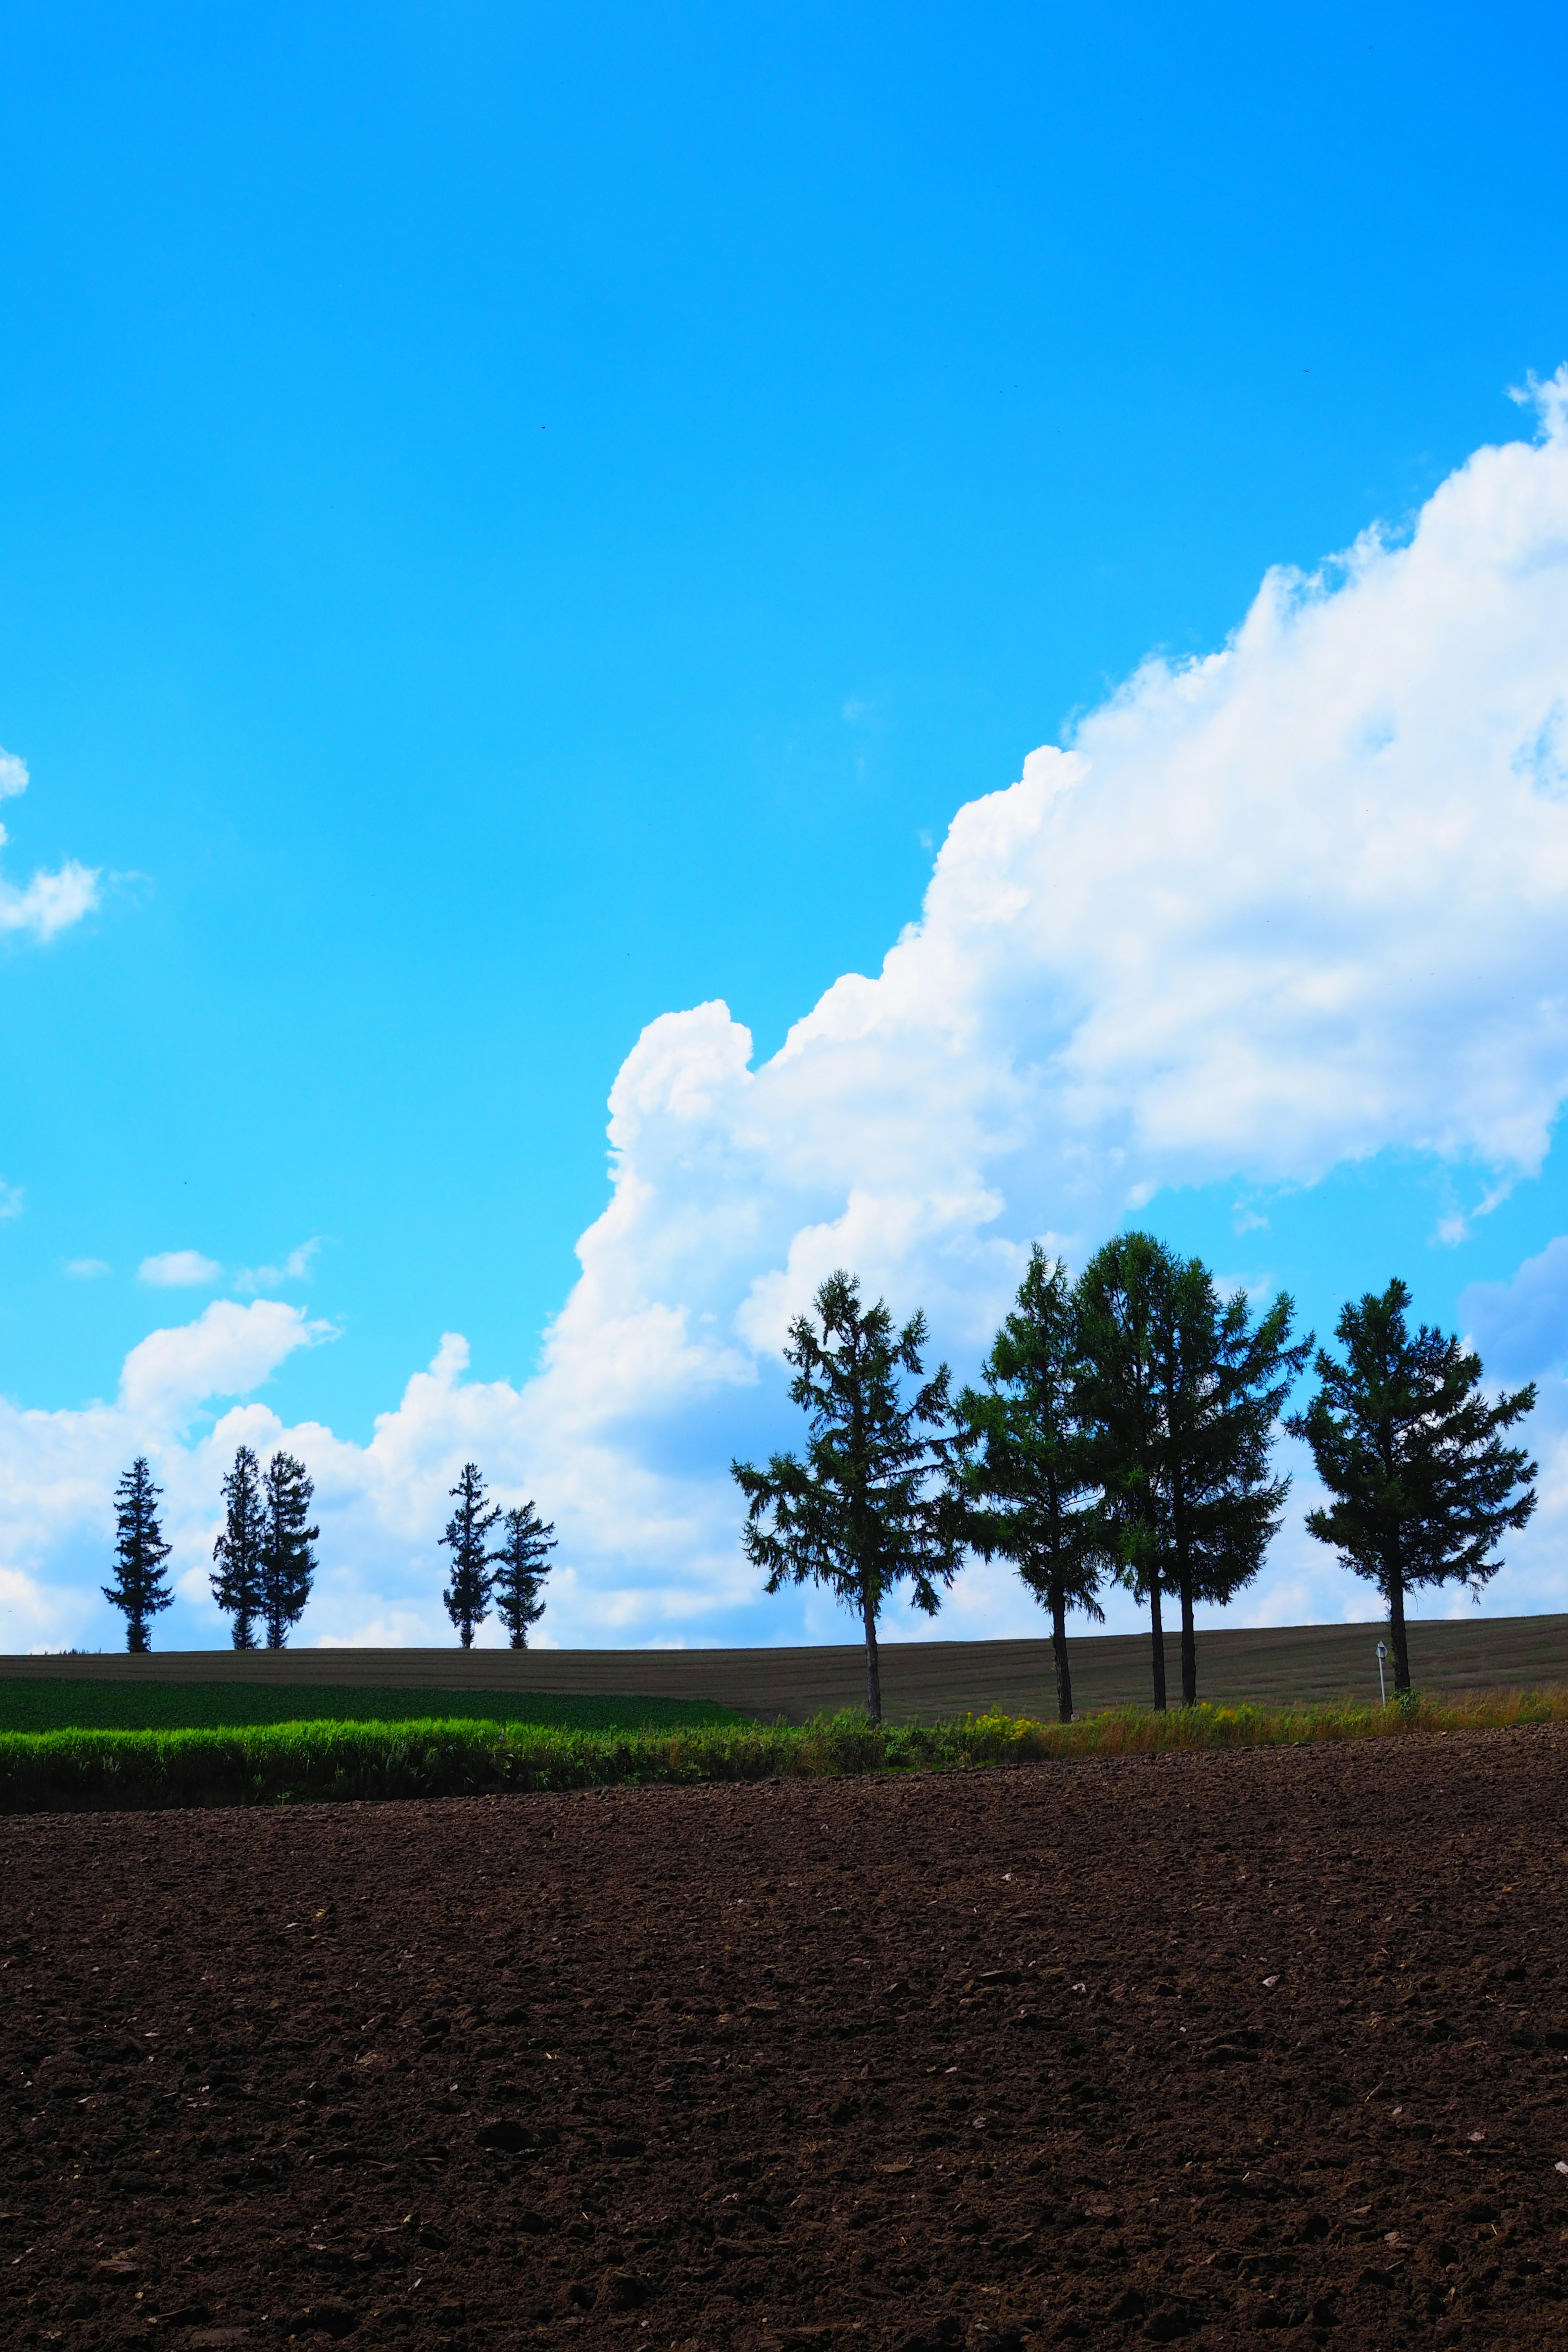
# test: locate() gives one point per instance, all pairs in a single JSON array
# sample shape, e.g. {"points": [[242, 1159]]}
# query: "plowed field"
{"points": [[1190, 2049]]}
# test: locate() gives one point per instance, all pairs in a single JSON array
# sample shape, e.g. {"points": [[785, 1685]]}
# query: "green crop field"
{"points": [[58, 1704]]}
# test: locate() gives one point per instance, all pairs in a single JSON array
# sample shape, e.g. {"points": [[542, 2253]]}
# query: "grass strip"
{"points": [[45, 1702], [448, 1757]]}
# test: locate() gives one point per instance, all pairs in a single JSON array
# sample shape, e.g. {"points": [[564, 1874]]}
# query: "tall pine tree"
{"points": [[870, 1507], [236, 1585], [468, 1598], [522, 1563], [1122, 1296], [1422, 1486], [1024, 1470], [1219, 1383], [140, 1552], [287, 1561]]}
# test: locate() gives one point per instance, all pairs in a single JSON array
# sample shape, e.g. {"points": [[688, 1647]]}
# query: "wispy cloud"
{"points": [[10, 1199], [178, 1270], [296, 1267], [86, 1269]]}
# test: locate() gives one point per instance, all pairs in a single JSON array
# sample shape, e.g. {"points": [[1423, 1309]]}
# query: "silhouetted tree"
{"points": [[1219, 1382], [868, 1507], [288, 1563], [140, 1552], [237, 1586], [522, 1563], [468, 1601], [1121, 1296], [1024, 1472], [1422, 1485]]}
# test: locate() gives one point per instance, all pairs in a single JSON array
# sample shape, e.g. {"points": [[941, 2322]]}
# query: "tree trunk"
{"points": [[1157, 1625], [1189, 1648], [135, 1637], [1060, 1651], [1397, 1632], [873, 1669]]}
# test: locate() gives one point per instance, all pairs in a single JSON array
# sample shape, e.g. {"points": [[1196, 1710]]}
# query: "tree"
{"points": [[522, 1565], [1122, 1295], [1024, 1470], [140, 1552], [1219, 1382], [237, 1586], [868, 1507], [288, 1563], [1423, 1486], [468, 1599]]}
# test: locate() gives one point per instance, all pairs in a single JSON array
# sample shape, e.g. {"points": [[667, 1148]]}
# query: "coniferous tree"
{"points": [[522, 1563], [868, 1507], [1024, 1472], [1219, 1385], [140, 1552], [288, 1563], [468, 1598], [236, 1585], [1423, 1486], [1121, 1296]]}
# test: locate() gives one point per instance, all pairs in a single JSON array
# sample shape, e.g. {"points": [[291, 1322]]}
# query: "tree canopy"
{"points": [[1024, 1468], [1422, 1486], [237, 1584], [140, 1588], [870, 1507], [468, 1598], [522, 1563]]}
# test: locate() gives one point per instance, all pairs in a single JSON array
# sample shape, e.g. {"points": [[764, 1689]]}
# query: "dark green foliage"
{"points": [[139, 1588], [51, 1703], [1024, 1472], [468, 1598], [1121, 1297], [867, 1510], [1221, 1383], [237, 1586], [1179, 1394], [522, 1563], [288, 1563], [1423, 1486]]}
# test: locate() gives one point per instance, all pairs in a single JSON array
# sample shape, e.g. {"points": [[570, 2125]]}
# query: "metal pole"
{"points": [[1381, 1686]]}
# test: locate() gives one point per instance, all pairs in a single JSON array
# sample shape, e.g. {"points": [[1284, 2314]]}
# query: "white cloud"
{"points": [[50, 902], [86, 1269], [296, 1267], [11, 1199], [1267, 913], [179, 1270], [1521, 1328]]}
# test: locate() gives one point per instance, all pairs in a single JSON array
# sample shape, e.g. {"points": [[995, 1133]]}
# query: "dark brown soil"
{"points": [[1171, 2050]]}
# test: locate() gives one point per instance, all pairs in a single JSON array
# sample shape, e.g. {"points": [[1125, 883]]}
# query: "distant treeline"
{"points": [[265, 1560], [1122, 1433]]}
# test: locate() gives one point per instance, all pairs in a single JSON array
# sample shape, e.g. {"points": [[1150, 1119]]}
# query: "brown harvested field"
{"points": [[1269, 2045], [920, 1680]]}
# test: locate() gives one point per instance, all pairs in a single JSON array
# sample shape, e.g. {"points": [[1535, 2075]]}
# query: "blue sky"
{"points": [[523, 522]]}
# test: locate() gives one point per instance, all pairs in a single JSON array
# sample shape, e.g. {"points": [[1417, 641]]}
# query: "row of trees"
{"points": [[510, 1577], [1122, 1432], [265, 1563], [265, 1556]]}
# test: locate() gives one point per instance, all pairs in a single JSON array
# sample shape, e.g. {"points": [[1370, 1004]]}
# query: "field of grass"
{"points": [[453, 1756], [57, 1704]]}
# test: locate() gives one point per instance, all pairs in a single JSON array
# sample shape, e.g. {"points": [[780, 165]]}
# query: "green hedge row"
{"points": [[295, 1762]]}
